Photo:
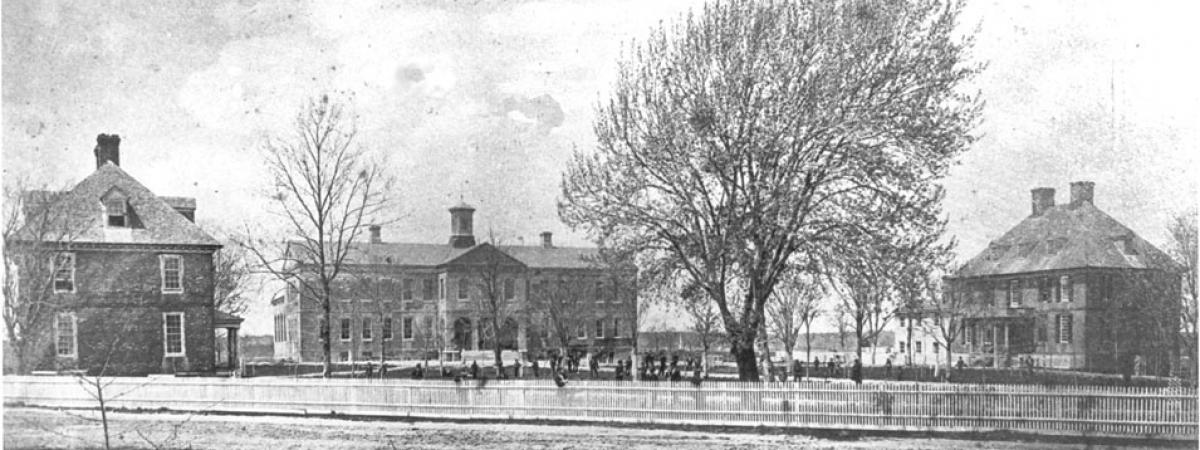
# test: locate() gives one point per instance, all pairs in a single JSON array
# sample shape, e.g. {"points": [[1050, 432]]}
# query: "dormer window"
{"points": [[116, 209]]}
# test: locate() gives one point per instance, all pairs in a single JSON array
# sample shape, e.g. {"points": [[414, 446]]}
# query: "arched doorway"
{"points": [[462, 334]]}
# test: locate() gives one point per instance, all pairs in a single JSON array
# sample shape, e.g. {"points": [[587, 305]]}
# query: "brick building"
{"points": [[132, 280], [428, 301], [1070, 287]]}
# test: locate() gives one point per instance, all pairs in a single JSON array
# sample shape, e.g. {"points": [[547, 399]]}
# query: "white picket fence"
{"points": [[1150, 413]]}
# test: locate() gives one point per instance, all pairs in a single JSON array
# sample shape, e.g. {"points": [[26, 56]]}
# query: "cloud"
{"points": [[542, 111]]}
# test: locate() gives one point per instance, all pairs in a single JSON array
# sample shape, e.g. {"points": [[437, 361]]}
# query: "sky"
{"points": [[486, 100]]}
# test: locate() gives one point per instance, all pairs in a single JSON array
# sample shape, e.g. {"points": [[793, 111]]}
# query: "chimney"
{"points": [[1081, 191], [461, 234], [1043, 199], [108, 148], [547, 239], [375, 233]]}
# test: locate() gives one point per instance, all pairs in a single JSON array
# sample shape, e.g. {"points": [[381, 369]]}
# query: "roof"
{"points": [[222, 319], [158, 222], [1066, 237], [432, 255]]}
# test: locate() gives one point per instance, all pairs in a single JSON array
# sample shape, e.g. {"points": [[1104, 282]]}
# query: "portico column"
{"points": [[231, 342], [475, 336], [521, 347], [995, 346]]}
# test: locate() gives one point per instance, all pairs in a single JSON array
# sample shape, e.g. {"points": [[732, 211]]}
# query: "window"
{"points": [[917, 349], [344, 356], [1041, 334], [937, 347], [172, 273], [64, 272], [970, 335], [368, 355], [293, 327], [1045, 291], [321, 329], [902, 325], [1014, 293], [987, 335], [65, 342], [1064, 329], [387, 329], [581, 333], [616, 327], [281, 328], [1064, 286], [462, 288], [599, 292], [901, 346], [366, 328], [344, 333], [115, 210], [173, 334], [442, 287], [937, 321], [406, 292], [510, 289], [429, 289], [407, 328], [599, 328]]}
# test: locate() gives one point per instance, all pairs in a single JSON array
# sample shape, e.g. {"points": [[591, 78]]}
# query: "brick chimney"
{"points": [[108, 148], [547, 239], [1081, 192], [1043, 199], [461, 229], [376, 236]]}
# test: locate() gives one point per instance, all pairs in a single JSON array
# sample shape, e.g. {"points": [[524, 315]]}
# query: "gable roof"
{"points": [[157, 222], [433, 255], [1066, 237]]}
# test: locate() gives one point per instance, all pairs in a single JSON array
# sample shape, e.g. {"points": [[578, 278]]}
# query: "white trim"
{"points": [[74, 334], [54, 281], [391, 329], [182, 334], [407, 328], [162, 273], [349, 330]]}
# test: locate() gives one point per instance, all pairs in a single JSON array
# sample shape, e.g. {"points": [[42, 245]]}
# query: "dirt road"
{"points": [[42, 428]]}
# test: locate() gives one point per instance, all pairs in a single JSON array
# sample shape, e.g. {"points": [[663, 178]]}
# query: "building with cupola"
{"points": [[1069, 287], [429, 301]]}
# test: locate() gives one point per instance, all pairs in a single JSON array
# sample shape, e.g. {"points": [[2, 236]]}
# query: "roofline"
{"points": [[1065, 269]]}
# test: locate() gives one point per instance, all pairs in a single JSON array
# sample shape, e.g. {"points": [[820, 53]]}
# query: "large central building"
{"points": [[404, 301]]}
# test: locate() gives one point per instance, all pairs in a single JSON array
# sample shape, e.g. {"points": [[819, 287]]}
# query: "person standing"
{"points": [[594, 365], [856, 371], [516, 367], [537, 371], [797, 368], [475, 370], [887, 367]]}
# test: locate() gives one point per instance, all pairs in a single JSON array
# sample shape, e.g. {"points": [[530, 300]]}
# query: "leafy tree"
{"points": [[327, 189], [752, 133]]}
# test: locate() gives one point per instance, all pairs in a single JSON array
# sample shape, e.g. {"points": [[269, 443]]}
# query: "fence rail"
{"points": [[1152, 413]]}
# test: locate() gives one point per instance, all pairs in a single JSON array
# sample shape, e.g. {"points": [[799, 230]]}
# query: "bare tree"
{"points": [[794, 305], [493, 280], [562, 298], [750, 133], [38, 228], [706, 320], [327, 189], [377, 298], [1182, 247], [232, 273]]}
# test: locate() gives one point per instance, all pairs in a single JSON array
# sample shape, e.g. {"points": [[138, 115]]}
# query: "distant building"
{"points": [[918, 340], [1070, 287], [132, 281], [423, 301]]}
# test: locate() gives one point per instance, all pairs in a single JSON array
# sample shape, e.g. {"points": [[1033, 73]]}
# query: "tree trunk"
{"points": [[326, 348], [747, 361]]}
